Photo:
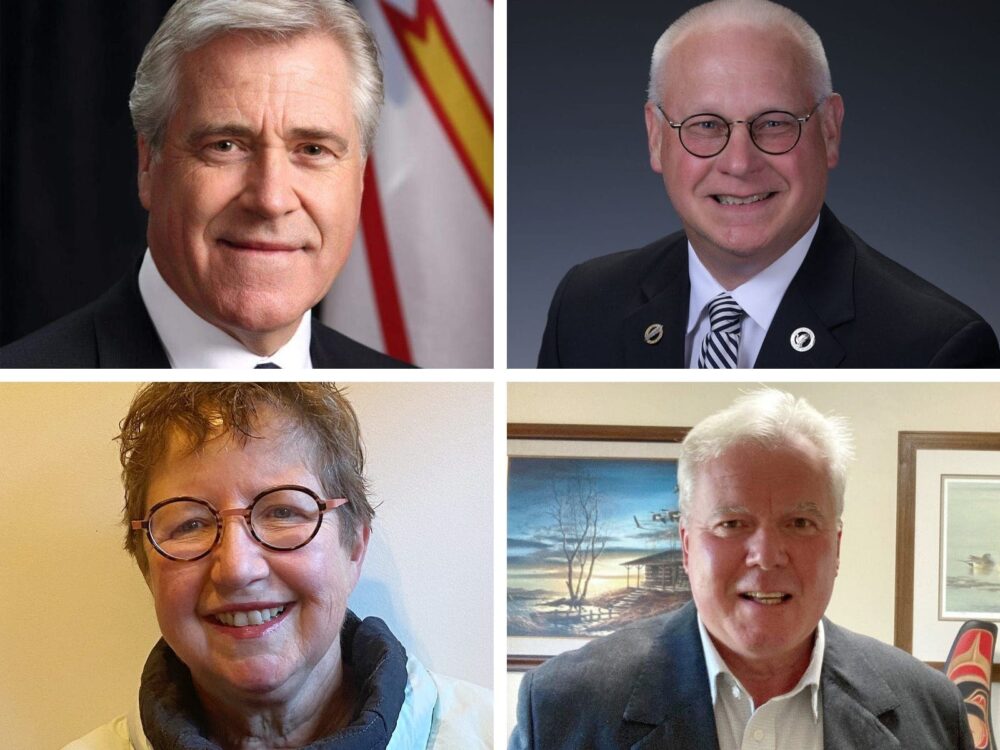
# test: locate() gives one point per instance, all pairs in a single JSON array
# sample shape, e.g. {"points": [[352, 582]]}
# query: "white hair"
{"points": [[760, 14], [770, 419], [190, 24]]}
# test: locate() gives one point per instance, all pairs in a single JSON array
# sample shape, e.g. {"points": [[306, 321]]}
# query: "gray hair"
{"points": [[768, 418], [761, 14], [189, 24]]}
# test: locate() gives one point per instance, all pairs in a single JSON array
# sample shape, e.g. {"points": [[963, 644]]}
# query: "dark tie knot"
{"points": [[267, 366]]}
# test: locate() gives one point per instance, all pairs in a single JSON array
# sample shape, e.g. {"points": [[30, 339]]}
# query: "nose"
{"points": [[766, 549], [270, 190], [238, 560], [740, 156]]}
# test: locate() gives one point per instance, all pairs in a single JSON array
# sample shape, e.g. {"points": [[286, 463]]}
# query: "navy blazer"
{"points": [[646, 687], [116, 331], [864, 309]]}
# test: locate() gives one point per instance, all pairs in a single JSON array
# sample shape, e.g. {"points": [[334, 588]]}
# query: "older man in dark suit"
{"points": [[752, 662], [744, 125], [254, 121]]}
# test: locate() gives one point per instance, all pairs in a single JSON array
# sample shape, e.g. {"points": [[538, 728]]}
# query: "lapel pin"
{"points": [[803, 339], [653, 333]]}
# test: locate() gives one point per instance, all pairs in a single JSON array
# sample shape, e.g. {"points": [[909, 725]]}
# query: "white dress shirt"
{"points": [[759, 297], [793, 721], [191, 341]]}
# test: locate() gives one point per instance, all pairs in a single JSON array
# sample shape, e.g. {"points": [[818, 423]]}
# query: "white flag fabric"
{"points": [[419, 282]]}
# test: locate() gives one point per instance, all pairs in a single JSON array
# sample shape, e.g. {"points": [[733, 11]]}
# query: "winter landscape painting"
{"points": [[592, 544]]}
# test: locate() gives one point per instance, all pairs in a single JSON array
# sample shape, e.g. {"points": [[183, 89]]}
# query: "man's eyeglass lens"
{"points": [[772, 132], [187, 528]]}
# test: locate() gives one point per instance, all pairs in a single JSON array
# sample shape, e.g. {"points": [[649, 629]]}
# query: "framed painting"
{"points": [[947, 539], [592, 533]]}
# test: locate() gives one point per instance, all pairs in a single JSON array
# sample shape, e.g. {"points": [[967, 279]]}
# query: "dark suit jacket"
{"points": [[646, 687], [864, 309], [116, 331]]}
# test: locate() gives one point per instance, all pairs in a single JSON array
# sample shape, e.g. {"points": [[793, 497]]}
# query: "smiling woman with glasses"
{"points": [[246, 510]]}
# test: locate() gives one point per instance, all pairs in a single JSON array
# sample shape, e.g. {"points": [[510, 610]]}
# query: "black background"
{"points": [[70, 219]]}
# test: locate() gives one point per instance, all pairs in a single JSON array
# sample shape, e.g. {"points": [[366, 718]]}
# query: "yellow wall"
{"points": [[79, 620], [863, 597]]}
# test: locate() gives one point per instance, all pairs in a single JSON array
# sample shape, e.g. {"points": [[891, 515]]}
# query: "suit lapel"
{"points": [[125, 334], [854, 697], [794, 313], [671, 695], [820, 298], [666, 289], [671, 705]]}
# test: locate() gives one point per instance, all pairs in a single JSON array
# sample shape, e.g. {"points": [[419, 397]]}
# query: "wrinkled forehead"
{"points": [[238, 75]]}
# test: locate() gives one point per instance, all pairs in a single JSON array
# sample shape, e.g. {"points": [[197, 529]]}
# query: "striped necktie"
{"points": [[722, 343]]}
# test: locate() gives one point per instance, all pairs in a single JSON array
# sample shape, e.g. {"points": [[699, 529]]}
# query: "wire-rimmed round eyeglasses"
{"points": [[706, 134]]}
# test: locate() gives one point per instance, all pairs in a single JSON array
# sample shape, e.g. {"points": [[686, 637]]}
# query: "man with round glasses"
{"points": [[246, 510], [744, 126]]}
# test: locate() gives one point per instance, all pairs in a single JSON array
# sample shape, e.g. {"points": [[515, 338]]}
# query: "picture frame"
{"points": [[931, 465], [586, 443]]}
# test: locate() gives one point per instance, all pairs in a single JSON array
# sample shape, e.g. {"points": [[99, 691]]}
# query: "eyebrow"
{"points": [[803, 507], [808, 507], [728, 510], [756, 113], [238, 130]]}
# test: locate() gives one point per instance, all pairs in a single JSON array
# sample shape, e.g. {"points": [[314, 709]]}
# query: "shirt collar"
{"points": [[191, 341], [716, 667], [760, 296]]}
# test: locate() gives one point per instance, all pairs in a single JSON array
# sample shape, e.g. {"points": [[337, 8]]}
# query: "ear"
{"points": [[654, 135], [840, 533], [364, 167], [358, 551], [145, 163], [831, 121], [684, 544]]}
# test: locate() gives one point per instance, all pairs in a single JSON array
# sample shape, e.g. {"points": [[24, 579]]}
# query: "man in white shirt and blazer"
{"points": [[751, 662]]}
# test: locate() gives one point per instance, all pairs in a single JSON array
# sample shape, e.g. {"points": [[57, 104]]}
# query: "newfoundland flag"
{"points": [[419, 283]]}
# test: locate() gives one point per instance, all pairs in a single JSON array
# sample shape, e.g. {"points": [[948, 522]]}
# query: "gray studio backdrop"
{"points": [[920, 157]]}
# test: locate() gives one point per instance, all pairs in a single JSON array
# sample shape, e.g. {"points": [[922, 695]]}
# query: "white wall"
{"points": [[863, 597], [80, 621]]}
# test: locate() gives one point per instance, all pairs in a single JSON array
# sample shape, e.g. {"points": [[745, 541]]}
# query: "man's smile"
{"points": [[769, 598], [736, 200], [259, 245]]}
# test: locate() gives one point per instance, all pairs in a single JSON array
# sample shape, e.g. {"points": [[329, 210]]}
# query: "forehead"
{"points": [[244, 77], [276, 442], [737, 67], [754, 476]]}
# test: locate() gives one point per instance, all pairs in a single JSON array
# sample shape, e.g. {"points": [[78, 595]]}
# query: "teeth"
{"points": [[765, 597], [732, 200], [251, 617]]}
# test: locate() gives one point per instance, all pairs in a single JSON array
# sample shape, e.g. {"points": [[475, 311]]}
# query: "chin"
{"points": [[259, 676], [745, 242], [260, 316]]}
